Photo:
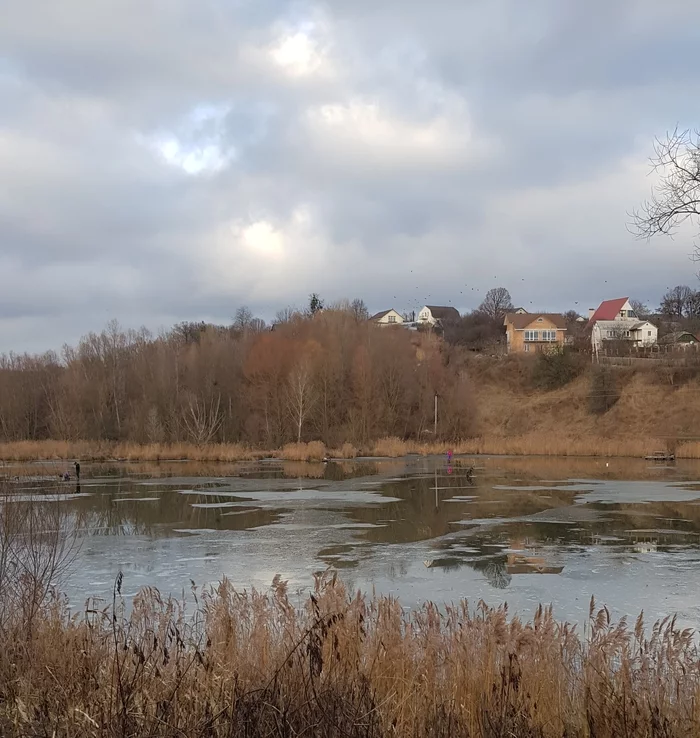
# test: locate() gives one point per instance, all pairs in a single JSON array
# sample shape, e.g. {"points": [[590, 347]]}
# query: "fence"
{"points": [[680, 355]]}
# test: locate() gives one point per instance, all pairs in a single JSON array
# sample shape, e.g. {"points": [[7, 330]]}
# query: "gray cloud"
{"points": [[170, 161]]}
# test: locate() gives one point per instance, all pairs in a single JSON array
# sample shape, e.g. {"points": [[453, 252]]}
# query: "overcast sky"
{"points": [[167, 160]]}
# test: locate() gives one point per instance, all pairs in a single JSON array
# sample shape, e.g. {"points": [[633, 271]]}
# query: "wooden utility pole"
{"points": [[436, 399]]}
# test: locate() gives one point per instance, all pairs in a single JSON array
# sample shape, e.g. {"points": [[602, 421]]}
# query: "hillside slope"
{"points": [[650, 411]]}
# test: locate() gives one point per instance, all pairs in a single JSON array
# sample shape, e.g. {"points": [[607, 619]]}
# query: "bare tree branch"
{"points": [[676, 197]]}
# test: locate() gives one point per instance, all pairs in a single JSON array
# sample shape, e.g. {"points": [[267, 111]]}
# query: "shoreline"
{"points": [[531, 445]]}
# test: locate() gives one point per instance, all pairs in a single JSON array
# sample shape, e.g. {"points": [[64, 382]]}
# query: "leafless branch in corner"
{"points": [[676, 196]]}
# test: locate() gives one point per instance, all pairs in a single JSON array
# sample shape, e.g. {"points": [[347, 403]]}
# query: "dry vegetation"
{"points": [[255, 664], [330, 385]]}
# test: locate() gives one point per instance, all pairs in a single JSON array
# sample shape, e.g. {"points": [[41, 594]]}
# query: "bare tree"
{"points": [[38, 544], [496, 303], [245, 322], [641, 310], [676, 301], [359, 310], [286, 315], [301, 396], [202, 420], [676, 197], [243, 318], [692, 305]]}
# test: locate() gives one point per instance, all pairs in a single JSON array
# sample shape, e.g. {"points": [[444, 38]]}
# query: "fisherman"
{"points": [[77, 470]]}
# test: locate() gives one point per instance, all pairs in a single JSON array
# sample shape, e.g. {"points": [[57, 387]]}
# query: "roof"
{"points": [[380, 315], [609, 309], [443, 313], [520, 321], [623, 324], [679, 337]]}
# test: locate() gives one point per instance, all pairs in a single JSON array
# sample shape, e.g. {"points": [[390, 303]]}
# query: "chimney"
{"points": [[590, 312]]}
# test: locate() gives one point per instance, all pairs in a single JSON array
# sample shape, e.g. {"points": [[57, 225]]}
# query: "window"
{"points": [[549, 335], [392, 319], [527, 348], [539, 320], [649, 333], [532, 335]]}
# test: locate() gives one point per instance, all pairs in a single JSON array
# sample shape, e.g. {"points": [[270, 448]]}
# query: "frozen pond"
{"points": [[523, 531]]}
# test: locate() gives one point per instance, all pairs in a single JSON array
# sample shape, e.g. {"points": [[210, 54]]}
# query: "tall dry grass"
{"points": [[313, 451], [106, 451], [255, 664], [529, 444]]}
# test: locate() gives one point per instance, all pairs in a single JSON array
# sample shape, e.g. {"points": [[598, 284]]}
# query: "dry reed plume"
{"points": [[253, 664], [314, 451]]}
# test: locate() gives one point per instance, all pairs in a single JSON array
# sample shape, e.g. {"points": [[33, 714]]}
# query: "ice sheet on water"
{"points": [[311, 495], [136, 499], [47, 497], [613, 491]]}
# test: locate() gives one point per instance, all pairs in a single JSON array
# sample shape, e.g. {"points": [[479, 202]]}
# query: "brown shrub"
{"points": [[312, 451]]}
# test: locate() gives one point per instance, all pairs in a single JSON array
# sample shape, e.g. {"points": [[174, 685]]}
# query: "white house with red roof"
{"points": [[615, 320]]}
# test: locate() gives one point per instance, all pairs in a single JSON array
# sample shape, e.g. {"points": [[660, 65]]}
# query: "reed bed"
{"points": [[339, 664], [314, 451], [105, 451], [530, 444]]}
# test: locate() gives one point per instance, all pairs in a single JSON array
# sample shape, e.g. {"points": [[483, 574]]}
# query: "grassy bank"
{"points": [[530, 444], [252, 664]]}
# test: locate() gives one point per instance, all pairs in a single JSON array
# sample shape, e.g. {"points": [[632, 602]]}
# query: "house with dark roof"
{"points": [[437, 315], [387, 317], [615, 320], [679, 338], [527, 332]]}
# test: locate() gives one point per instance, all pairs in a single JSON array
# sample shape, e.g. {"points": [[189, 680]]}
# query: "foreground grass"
{"points": [[255, 664], [546, 444]]}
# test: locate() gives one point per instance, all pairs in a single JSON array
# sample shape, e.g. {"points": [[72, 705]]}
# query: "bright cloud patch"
{"points": [[194, 161], [366, 125], [262, 239], [198, 145], [297, 54]]}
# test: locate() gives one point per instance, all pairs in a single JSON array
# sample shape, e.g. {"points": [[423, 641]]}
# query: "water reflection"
{"points": [[516, 525]]}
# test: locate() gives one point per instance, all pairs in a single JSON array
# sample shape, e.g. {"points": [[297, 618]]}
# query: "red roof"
{"points": [[608, 309]]}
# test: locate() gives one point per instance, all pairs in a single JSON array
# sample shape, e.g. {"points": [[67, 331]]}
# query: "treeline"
{"points": [[325, 374]]}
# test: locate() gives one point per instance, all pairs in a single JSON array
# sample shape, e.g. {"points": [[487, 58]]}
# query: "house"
{"points": [[433, 315], [387, 317], [679, 338], [615, 320], [527, 332]]}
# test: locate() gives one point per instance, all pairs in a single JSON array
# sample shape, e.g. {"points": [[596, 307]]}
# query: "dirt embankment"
{"points": [[651, 409]]}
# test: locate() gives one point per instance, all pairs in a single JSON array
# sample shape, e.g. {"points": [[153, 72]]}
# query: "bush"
{"points": [[604, 393], [555, 369], [312, 451]]}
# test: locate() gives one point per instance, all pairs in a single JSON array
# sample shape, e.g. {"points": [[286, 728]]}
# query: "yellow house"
{"points": [[527, 332]]}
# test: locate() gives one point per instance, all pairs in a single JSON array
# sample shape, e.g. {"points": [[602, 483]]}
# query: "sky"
{"points": [[169, 160]]}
